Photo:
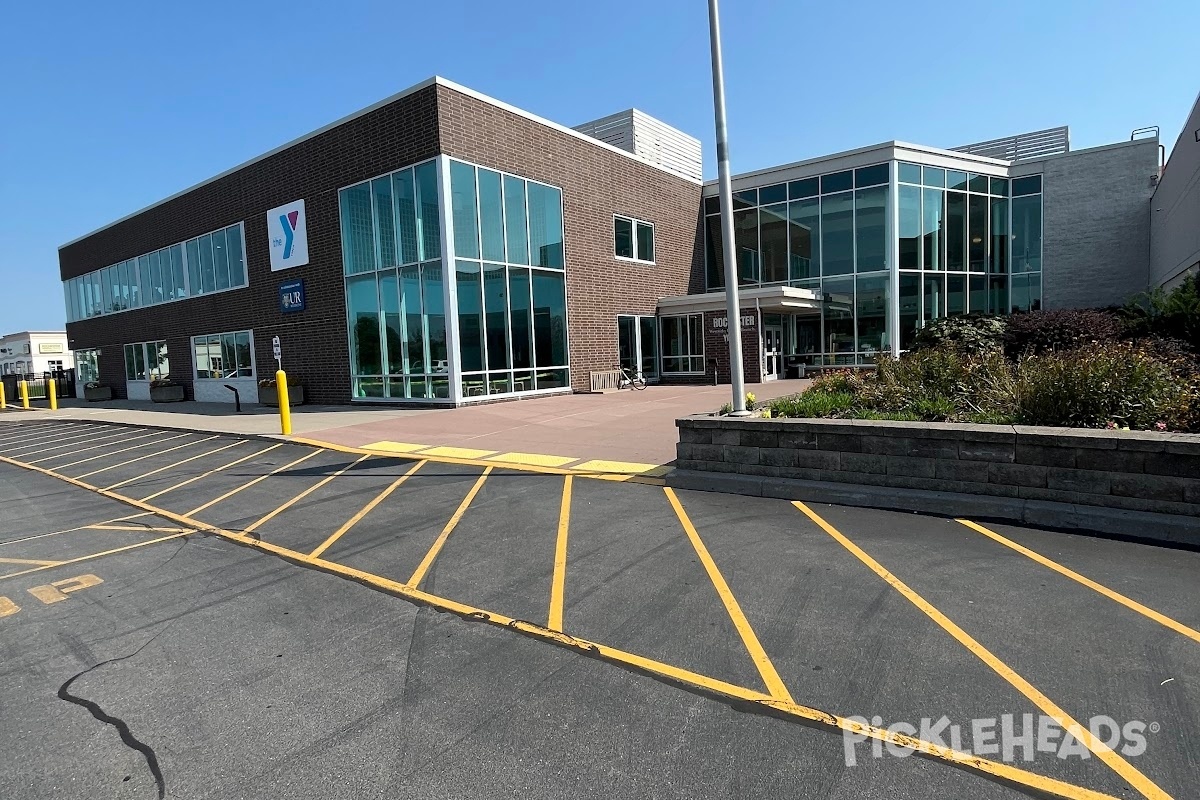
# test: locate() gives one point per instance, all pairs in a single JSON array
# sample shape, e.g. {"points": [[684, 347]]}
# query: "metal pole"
{"points": [[732, 305]]}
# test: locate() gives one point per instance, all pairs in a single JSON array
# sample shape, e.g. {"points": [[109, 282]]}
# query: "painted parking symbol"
{"points": [[8, 607], [57, 592]]}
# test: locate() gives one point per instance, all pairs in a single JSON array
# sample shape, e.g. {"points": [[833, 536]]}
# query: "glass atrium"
{"points": [[495, 325], [887, 247]]}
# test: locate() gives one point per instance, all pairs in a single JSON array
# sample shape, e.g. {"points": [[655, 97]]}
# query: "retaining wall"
{"points": [[1068, 470]]}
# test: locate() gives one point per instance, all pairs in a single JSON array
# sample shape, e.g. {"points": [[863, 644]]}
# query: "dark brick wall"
{"points": [[596, 183], [314, 341]]}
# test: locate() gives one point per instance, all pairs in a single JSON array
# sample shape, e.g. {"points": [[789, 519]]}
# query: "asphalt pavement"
{"points": [[199, 615]]}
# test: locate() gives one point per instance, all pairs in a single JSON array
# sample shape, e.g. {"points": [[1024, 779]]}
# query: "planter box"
{"points": [[98, 394], [269, 396], [166, 394]]}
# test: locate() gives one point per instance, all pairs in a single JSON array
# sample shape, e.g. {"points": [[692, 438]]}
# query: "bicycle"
{"points": [[631, 379]]}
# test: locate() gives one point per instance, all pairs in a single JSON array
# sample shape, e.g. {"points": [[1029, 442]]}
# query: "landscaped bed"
{"points": [[1135, 368]]}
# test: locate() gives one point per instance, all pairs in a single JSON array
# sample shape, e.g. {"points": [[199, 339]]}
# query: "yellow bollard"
{"points": [[3, 402], [52, 393], [24, 389], [285, 410]]}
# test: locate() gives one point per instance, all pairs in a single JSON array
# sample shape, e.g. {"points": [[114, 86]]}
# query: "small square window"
{"points": [[712, 205], [645, 241], [745, 198], [772, 194], [1000, 186], [809, 187], [956, 179], [910, 173], [978, 183], [623, 237], [837, 182], [1029, 185], [871, 176], [934, 176]]}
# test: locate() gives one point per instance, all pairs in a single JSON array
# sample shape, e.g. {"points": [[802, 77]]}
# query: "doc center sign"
{"points": [[287, 235]]}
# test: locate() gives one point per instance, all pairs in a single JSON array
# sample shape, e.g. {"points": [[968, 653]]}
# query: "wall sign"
{"points": [[50, 347], [287, 235], [723, 322], [291, 296]]}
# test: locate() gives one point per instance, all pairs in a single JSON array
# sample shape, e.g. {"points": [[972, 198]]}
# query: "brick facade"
{"points": [[596, 184], [314, 341]]}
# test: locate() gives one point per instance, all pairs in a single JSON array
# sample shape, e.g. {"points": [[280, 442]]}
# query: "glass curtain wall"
{"points": [[968, 243], [391, 254], [827, 233], [510, 282]]}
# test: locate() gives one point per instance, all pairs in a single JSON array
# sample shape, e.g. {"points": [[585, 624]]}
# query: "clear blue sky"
{"points": [[108, 107]]}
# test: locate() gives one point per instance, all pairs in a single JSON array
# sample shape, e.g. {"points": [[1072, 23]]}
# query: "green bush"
{"points": [[1096, 385], [971, 334], [1064, 329], [813, 404], [1170, 315], [1093, 386]]}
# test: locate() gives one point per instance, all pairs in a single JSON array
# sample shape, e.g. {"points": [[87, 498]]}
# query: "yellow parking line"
{"points": [[133, 528], [144, 457], [175, 465], [395, 447], [972, 763], [38, 562], [98, 555], [1132, 776], [379, 498], [122, 450], [619, 467], [1133, 605], [250, 483], [558, 585], [75, 530], [456, 452], [213, 471], [105, 443], [533, 459], [427, 561], [58, 435], [271, 515], [60, 443], [765, 668]]}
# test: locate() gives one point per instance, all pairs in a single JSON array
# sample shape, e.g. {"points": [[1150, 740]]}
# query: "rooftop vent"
{"points": [[650, 139], [1036, 144]]}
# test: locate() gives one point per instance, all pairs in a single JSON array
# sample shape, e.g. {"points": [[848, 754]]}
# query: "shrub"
{"points": [[1174, 314], [813, 404], [1100, 384], [971, 334], [1065, 329]]}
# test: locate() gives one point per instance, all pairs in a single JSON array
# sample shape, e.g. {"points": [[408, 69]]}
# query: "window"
{"points": [[683, 343], [146, 361], [213, 262], [87, 365], [633, 239], [224, 355]]}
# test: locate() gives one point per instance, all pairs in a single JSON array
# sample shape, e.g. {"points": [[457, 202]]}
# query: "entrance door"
{"points": [[637, 345], [772, 351]]}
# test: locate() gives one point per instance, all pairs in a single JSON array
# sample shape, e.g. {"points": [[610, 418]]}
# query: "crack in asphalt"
{"points": [[127, 737]]}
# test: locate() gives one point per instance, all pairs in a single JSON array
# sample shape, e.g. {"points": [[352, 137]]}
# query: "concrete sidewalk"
{"points": [[620, 431]]}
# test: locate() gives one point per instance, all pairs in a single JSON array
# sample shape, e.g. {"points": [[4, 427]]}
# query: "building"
{"points": [[34, 353], [1175, 214], [442, 247]]}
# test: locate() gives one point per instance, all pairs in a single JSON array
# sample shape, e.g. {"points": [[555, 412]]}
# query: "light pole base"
{"points": [[740, 414]]}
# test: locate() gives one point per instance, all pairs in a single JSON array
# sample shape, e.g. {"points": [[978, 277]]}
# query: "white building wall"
{"points": [[32, 352], [1175, 209]]}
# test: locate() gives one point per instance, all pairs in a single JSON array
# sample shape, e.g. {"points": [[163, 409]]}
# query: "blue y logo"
{"points": [[288, 222]]}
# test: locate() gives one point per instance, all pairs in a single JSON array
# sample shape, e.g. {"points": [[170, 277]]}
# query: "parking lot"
{"points": [[204, 615]]}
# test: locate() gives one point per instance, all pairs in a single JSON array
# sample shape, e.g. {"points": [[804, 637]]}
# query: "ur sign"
{"points": [[287, 233]]}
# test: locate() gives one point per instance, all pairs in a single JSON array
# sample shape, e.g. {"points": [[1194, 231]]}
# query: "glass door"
{"points": [[637, 345], [772, 351]]}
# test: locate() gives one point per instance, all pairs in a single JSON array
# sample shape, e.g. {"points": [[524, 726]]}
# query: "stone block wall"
{"points": [[1134, 471]]}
